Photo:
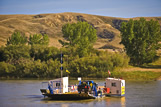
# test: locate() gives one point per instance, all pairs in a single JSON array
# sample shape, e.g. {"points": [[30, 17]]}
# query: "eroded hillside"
{"points": [[51, 24]]}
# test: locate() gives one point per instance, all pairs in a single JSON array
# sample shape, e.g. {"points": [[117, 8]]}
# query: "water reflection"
{"points": [[123, 101], [102, 102], [117, 101], [65, 105]]}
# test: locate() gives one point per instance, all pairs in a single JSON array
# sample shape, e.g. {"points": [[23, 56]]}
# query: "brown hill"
{"points": [[51, 24]]}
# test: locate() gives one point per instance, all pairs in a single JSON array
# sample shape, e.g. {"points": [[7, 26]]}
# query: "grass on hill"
{"points": [[51, 24]]}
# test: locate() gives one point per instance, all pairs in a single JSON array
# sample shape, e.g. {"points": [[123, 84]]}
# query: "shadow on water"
{"points": [[33, 96], [106, 101], [103, 102]]}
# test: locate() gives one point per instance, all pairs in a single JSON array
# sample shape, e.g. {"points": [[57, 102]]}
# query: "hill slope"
{"points": [[51, 24]]}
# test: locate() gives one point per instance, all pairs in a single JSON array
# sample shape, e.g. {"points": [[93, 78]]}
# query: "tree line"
{"points": [[38, 60], [41, 61], [19, 38]]}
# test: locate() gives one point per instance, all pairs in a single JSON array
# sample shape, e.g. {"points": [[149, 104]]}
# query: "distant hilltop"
{"points": [[51, 24]]}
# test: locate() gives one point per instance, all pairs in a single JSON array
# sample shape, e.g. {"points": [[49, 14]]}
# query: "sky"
{"points": [[113, 8]]}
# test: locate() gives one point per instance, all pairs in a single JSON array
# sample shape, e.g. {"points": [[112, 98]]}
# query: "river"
{"points": [[26, 93]]}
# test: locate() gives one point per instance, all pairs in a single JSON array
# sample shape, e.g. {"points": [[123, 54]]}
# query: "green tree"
{"points": [[6, 69], [80, 35], [141, 40], [13, 53], [17, 38], [43, 52], [38, 39]]}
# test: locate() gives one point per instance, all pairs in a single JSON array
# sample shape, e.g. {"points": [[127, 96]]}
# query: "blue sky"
{"points": [[114, 8]]}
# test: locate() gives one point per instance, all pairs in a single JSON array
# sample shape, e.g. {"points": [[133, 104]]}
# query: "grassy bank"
{"points": [[137, 75], [127, 75]]}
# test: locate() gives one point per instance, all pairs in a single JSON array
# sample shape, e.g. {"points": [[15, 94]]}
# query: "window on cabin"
{"points": [[57, 84], [113, 84]]}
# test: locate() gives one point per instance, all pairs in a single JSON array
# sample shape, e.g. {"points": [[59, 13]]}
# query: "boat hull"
{"points": [[69, 96], [114, 95]]}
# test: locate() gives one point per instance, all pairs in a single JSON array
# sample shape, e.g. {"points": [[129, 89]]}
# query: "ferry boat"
{"points": [[58, 89]]}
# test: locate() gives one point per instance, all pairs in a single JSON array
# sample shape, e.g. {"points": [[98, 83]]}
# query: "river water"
{"points": [[26, 93]]}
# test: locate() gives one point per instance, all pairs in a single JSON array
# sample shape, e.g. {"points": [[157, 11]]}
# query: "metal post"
{"points": [[61, 61], [61, 68]]}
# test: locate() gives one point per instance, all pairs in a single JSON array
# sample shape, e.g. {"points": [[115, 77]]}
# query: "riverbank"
{"points": [[137, 75], [140, 69], [127, 75], [159, 78]]}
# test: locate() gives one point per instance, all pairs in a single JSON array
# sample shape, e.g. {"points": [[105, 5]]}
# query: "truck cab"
{"points": [[87, 86]]}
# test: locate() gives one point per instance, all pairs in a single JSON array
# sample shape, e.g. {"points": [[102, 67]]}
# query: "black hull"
{"points": [[69, 96]]}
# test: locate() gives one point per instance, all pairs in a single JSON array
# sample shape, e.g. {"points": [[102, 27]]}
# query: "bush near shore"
{"points": [[38, 61]]}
